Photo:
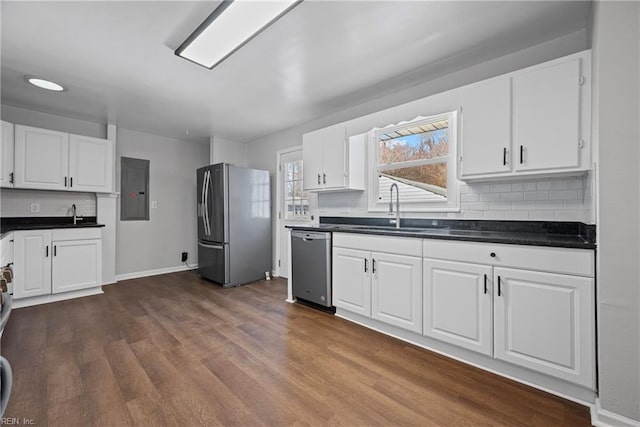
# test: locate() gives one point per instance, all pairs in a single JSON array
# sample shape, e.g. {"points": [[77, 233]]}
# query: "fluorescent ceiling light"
{"points": [[231, 25], [45, 84]]}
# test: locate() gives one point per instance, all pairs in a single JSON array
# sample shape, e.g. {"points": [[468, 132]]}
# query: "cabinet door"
{"points": [[546, 115], [352, 280], [486, 128], [396, 290], [6, 155], [457, 304], [90, 164], [545, 322], [312, 160], [32, 263], [41, 158], [334, 156], [77, 264]]}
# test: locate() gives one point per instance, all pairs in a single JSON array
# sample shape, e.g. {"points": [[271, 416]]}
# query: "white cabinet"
{"points": [[6, 155], [545, 322], [333, 162], [458, 303], [51, 160], [542, 320], [55, 261], [534, 121], [90, 164], [31, 263], [379, 277], [352, 280], [77, 264], [41, 158], [396, 290], [486, 128]]}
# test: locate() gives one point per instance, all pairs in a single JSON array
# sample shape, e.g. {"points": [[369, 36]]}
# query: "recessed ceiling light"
{"points": [[231, 25], [45, 84]]}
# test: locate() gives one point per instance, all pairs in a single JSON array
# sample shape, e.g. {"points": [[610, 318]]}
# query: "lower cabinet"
{"points": [[545, 322], [55, 261], [457, 304], [385, 286]]}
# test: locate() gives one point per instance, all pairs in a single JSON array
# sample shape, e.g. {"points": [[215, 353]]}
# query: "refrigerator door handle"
{"points": [[204, 245], [207, 225]]}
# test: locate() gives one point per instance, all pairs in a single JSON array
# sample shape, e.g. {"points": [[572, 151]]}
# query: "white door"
{"points": [[396, 290], [457, 304], [545, 322], [41, 158], [90, 164], [312, 156], [352, 280], [6, 155], [77, 264], [486, 128], [294, 204], [32, 254], [334, 155], [546, 117]]}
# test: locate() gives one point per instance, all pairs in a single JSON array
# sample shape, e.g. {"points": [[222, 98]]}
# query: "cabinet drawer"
{"points": [[393, 245], [58, 234], [579, 262]]}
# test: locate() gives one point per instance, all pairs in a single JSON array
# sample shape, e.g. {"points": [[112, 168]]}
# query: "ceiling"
{"points": [[117, 60]]}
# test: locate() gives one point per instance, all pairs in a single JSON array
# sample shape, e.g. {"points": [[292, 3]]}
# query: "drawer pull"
{"points": [[499, 286], [485, 284]]}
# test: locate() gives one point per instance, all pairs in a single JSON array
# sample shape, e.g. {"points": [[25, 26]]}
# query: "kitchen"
{"points": [[121, 95]]}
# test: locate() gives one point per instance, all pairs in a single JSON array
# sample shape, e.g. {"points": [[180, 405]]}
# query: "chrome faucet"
{"points": [[395, 221], [74, 211]]}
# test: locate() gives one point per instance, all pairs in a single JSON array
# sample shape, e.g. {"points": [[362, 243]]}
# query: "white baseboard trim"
{"points": [[44, 299], [603, 418], [147, 273]]}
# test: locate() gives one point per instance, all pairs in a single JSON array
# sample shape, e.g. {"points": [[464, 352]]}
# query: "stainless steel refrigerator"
{"points": [[234, 224]]}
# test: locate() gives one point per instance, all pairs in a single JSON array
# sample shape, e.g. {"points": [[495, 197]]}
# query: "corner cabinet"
{"points": [[51, 160], [6, 155], [534, 121], [332, 161], [379, 277]]}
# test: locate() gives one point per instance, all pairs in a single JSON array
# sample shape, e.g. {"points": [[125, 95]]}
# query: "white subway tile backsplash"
{"points": [[573, 184], [550, 205], [543, 185], [523, 206], [500, 206], [556, 184], [517, 215], [536, 195], [489, 197], [479, 206], [17, 203], [500, 188], [469, 197], [494, 214], [542, 216], [523, 186], [517, 195], [563, 195]]}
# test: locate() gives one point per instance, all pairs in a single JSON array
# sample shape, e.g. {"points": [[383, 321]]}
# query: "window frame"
{"points": [[302, 198], [452, 203]]}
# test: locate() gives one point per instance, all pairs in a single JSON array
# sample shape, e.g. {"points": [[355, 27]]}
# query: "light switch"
{"points": [[154, 204]]}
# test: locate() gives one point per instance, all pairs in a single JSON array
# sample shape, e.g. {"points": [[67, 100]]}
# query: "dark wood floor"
{"points": [[175, 350]]}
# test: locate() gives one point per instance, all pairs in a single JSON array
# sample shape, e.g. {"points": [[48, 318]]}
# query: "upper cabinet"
{"points": [[532, 122], [90, 164], [51, 160], [42, 158], [333, 162], [6, 155]]}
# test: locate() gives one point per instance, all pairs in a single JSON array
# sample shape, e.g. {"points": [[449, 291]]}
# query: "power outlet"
{"points": [[185, 255], [35, 207]]}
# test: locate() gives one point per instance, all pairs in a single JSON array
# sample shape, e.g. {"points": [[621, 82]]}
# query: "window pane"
{"points": [[290, 208], [418, 146], [419, 183]]}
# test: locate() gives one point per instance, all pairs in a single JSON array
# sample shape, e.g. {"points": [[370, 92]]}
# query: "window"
{"points": [[296, 200], [419, 157]]}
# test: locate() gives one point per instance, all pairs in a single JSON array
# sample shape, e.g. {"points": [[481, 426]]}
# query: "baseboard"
{"points": [[45, 299], [603, 418], [147, 273]]}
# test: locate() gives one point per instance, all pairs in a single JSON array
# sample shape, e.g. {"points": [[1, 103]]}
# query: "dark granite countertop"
{"points": [[535, 233], [46, 222]]}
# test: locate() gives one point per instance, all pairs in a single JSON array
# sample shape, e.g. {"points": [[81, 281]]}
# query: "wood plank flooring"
{"points": [[176, 350]]}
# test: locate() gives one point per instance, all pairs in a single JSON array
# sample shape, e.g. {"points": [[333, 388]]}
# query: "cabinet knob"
{"points": [[493, 254]]}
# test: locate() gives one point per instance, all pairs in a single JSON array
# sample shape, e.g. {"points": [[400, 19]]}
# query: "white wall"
{"points": [[261, 153], [616, 114], [226, 151], [171, 229], [22, 116]]}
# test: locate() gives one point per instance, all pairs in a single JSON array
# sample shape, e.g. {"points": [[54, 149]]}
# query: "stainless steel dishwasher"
{"points": [[311, 266]]}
